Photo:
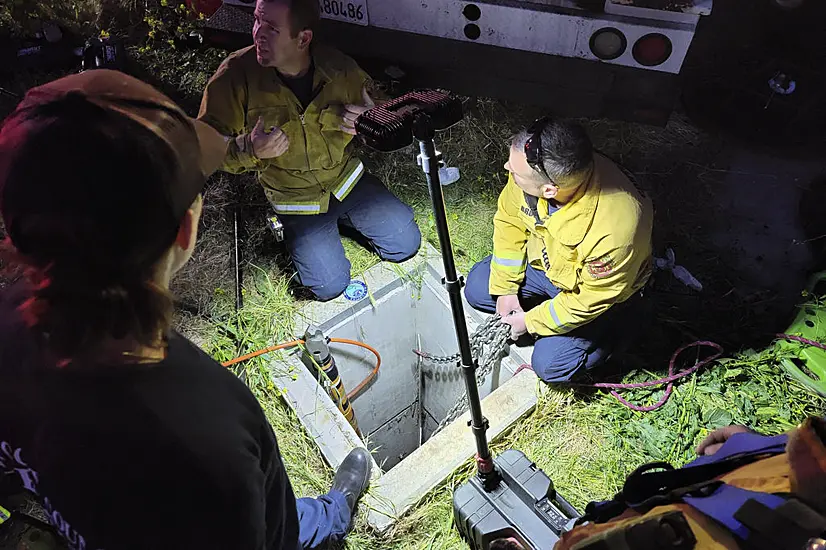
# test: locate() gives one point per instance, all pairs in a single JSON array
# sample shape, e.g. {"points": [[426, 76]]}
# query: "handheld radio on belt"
{"points": [[509, 497]]}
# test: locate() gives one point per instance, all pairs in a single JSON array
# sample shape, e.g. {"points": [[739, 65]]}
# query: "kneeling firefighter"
{"points": [[753, 492]]}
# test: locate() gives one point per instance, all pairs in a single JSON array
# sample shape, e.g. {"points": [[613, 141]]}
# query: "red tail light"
{"points": [[652, 49]]}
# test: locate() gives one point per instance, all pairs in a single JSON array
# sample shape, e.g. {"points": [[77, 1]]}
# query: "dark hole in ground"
{"points": [[392, 413], [399, 411]]}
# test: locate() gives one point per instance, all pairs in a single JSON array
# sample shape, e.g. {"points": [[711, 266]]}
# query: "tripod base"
{"points": [[523, 505]]}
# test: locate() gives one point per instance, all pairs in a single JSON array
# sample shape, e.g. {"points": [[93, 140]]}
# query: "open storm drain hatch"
{"points": [[399, 411], [411, 396]]}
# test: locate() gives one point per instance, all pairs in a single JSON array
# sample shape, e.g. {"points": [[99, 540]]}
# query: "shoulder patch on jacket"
{"points": [[601, 267]]}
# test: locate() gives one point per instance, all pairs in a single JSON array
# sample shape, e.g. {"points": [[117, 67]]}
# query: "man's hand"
{"points": [[713, 441], [517, 322], [506, 304], [267, 144], [352, 112]]}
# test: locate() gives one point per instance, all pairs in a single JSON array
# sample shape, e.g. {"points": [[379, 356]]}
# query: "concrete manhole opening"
{"points": [[398, 412]]}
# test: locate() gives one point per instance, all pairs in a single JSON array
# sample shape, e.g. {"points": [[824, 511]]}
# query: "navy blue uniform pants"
{"points": [[372, 210], [322, 520], [558, 358]]}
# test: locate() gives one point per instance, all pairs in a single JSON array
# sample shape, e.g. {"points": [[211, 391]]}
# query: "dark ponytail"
{"points": [[73, 313], [90, 247]]}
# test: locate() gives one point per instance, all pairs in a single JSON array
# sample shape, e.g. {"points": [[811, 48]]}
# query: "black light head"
{"points": [[390, 127]]}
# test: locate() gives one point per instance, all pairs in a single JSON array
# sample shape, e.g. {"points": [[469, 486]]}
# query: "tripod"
{"points": [[509, 497], [424, 133]]}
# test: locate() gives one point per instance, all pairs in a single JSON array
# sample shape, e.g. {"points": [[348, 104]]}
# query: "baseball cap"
{"points": [[198, 153]]}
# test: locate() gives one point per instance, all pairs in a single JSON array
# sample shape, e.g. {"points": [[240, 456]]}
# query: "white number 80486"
{"points": [[351, 11]]}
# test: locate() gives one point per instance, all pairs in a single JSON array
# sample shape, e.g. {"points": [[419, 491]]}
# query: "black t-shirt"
{"points": [[176, 454], [301, 86]]}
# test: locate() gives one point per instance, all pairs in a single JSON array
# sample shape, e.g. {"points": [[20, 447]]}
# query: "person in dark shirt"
{"points": [[126, 433]]}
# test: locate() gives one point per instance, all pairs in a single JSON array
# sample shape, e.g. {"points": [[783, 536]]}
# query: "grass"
{"points": [[587, 442]]}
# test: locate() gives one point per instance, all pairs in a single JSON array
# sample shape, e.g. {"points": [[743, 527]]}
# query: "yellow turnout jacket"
{"points": [[596, 248], [320, 160]]}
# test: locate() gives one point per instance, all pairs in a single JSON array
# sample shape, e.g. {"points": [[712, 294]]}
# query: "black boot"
{"points": [[353, 476]]}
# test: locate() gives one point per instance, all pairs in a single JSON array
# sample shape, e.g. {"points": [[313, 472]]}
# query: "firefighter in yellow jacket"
{"points": [[287, 106], [571, 251]]}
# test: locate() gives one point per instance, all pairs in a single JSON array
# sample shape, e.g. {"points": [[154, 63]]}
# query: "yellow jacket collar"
{"points": [[571, 222]]}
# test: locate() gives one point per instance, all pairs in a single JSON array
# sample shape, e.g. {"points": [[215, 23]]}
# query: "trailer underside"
{"points": [[567, 86]]}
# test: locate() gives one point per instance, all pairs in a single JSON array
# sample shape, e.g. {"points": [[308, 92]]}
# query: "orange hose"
{"points": [[358, 389], [351, 394], [249, 356]]}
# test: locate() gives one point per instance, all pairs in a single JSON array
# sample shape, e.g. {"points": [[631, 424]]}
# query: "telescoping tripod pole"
{"points": [[424, 133], [509, 498]]}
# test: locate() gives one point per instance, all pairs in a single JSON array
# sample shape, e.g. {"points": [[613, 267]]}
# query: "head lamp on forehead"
{"points": [[533, 146]]}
